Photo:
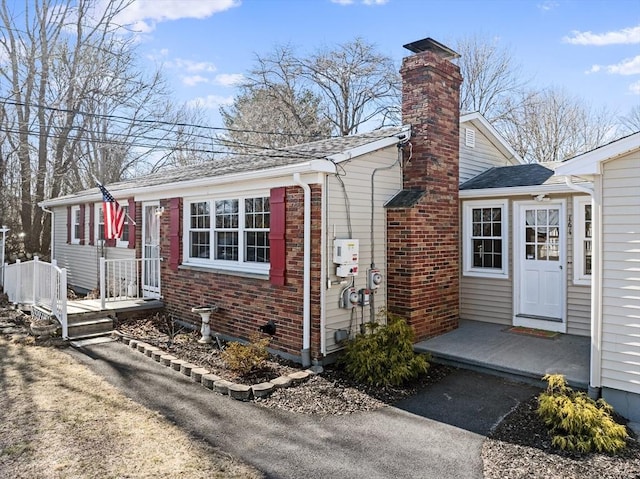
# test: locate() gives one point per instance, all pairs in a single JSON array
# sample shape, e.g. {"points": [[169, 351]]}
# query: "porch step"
{"points": [[90, 328]]}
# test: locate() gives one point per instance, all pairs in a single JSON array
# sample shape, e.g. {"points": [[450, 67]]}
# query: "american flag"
{"points": [[113, 215]]}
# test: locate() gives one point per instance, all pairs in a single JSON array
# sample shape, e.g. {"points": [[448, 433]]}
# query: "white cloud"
{"points": [[212, 102], [190, 66], [629, 35], [143, 15], [342, 2], [194, 80], [229, 79], [628, 66], [634, 88], [547, 5]]}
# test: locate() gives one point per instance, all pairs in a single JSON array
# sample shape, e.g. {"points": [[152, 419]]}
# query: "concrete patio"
{"points": [[491, 348]]}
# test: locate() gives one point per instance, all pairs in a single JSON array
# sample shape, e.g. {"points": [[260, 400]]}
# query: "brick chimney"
{"points": [[422, 220]]}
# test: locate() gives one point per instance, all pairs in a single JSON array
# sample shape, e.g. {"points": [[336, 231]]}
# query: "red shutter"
{"points": [[174, 233], [277, 230], [92, 224], [132, 225], [81, 235], [68, 224]]}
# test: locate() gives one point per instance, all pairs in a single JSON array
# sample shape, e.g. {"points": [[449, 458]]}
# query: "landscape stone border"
{"points": [[203, 376]]}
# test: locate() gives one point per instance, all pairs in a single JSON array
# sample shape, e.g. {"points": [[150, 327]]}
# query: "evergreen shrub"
{"points": [[576, 422], [383, 355]]}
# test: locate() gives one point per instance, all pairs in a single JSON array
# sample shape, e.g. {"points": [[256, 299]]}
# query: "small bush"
{"points": [[246, 358], [384, 356], [577, 422]]}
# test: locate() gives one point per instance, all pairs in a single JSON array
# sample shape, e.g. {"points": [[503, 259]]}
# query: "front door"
{"points": [[151, 250], [539, 265]]}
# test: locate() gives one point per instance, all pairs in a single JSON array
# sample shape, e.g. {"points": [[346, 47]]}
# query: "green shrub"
{"points": [[384, 356], [245, 358], [577, 422]]}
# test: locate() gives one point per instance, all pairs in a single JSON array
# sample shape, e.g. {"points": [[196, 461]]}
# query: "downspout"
{"points": [[595, 370], [306, 300]]}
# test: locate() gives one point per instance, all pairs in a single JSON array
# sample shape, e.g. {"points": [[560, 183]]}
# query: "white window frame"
{"points": [[240, 265], [75, 215], [467, 229], [98, 227], [125, 227], [579, 202]]}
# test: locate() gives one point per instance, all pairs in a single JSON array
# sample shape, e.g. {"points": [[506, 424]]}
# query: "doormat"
{"points": [[538, 333]]}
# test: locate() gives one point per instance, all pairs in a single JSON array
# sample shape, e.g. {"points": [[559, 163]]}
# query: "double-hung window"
{"points": [[582, 239], [76, 225], [228, 233], [485, 229]]}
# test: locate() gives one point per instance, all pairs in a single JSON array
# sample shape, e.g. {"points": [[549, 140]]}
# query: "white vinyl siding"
{"points": [[479, 158], [356, 175], [81, 261], [621, 273], [491, 300]]}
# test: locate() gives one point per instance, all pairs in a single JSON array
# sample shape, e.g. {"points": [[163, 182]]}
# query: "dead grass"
{"points": [[59, 420]]}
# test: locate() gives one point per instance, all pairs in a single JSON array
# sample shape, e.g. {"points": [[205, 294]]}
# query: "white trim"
{"points": [[518, 250], [589, 163], [98, 207], [405, 134], [516, 191], [75, 209], [121, 243], [579, 202], [468, 269]]}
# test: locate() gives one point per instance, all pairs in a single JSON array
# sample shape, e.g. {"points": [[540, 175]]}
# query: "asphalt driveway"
{"points": [[435, 434]]}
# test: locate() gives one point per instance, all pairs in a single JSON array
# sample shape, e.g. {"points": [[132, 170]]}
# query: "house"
{"points": [[315, 238], [437, 220], [609, 225]]}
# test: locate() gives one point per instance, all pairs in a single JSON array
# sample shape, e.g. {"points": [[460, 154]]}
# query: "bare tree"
{"points": [[630, 123], [74, 101], [491, 78], [551, 125], [341, 89]]}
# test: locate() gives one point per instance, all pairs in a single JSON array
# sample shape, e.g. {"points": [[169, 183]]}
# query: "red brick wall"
{"points": [[246, 303], [423, 252]]}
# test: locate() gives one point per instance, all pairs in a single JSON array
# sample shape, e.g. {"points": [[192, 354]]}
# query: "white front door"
{"points": [[539, 265], [150, 250]]}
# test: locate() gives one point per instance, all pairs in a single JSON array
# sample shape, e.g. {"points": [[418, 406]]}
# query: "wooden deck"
{"points": [[82, 306]]}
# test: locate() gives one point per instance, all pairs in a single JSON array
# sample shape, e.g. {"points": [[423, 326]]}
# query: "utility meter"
{"points": [[374, 279], [349, 299]]}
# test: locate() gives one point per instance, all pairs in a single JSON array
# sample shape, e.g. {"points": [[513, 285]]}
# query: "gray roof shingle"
{"points": [[509, 176], [261, 160]]}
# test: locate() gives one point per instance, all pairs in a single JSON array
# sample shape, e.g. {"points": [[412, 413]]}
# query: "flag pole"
{"points": [[127, 213]]}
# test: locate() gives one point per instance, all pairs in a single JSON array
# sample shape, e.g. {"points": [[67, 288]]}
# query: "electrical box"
{"points": [[363, 297], [374, 279], [345, 251], [345, 255], [349, 299], [345, 270]]}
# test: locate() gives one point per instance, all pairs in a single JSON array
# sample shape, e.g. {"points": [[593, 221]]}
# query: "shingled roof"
{"points": [[261, 160], [509, 176]]}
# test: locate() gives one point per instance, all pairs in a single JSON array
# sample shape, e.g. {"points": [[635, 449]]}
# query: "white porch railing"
{"points": [[121, 279], [40, 284]]}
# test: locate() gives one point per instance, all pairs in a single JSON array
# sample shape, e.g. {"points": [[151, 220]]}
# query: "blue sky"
{"points": [[591, 48]]}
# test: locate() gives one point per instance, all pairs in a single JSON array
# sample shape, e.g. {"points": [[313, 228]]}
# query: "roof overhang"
{"points": [[516, 191], [403, 135], [165, 190], [590, 163]]}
